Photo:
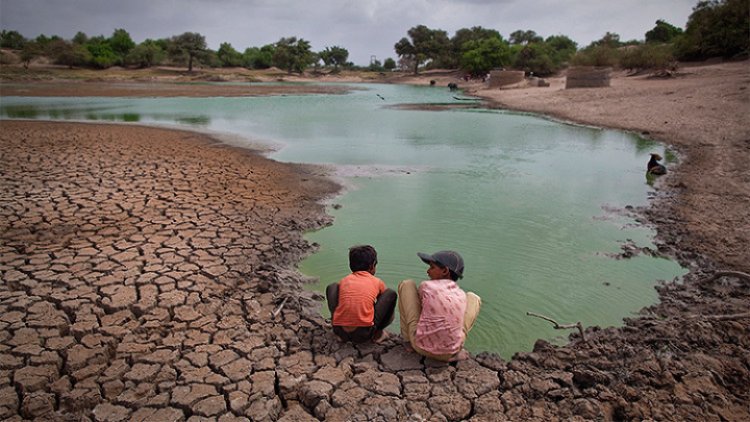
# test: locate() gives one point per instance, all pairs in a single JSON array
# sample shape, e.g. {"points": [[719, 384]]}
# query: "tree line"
{"points": [[715, 28], [290, 53]]}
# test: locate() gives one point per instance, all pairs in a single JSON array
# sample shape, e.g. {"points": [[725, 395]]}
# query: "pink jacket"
{"points": [[440, 328]]}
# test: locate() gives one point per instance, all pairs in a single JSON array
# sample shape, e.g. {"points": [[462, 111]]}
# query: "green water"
{"points": [[526, 201]]}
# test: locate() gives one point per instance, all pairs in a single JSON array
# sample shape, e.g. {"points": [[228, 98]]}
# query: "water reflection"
{"points": [[21, 112], [195, 120], [86, 112]]}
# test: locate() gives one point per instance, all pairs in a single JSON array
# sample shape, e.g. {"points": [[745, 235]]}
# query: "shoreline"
{"points": [[673, 361], [589, 107]]}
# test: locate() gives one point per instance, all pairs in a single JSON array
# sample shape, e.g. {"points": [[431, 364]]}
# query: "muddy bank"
{"points": [[160, 89]]}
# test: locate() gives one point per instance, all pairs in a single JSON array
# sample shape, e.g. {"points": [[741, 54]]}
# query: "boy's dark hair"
{"points": [[362, 258], [454, 276]]}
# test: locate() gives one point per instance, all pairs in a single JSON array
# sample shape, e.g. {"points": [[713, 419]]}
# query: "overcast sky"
{"points": [[364, 27]]}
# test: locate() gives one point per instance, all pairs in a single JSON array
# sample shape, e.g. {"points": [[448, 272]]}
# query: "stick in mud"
{"points": [[558, 326], [281, 306]]}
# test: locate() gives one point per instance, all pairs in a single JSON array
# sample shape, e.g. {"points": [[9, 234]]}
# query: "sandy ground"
{"points": [[141, 280]]}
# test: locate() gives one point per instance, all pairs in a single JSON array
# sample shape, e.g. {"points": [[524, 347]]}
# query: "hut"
{"points": [[501, 78], [588, 77]]}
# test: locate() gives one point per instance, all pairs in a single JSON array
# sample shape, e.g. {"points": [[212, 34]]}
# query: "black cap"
{"points": [[448, 259]]}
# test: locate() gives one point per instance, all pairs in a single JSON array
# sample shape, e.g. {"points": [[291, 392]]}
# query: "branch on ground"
{"points": [[558, 326]]}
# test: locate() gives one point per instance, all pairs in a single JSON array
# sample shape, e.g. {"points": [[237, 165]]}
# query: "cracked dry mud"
{"points": [[141, 267]]}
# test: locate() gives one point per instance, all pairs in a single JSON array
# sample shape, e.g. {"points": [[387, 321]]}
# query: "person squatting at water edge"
{"points": [[360, 304], [437, 316]]}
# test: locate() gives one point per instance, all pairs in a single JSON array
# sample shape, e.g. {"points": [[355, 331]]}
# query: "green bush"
{"points": [[145, 54], [647, 57], [536, 58], [716, 29], [599, 55]]}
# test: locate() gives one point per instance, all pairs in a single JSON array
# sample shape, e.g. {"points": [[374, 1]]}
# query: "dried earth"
{"points": [[140, 279]]}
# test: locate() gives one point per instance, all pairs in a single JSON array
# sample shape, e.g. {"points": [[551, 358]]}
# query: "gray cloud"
{"points": [[364, 27]]}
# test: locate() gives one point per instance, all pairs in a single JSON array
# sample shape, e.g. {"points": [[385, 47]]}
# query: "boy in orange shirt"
{"points": [[360, 304]]}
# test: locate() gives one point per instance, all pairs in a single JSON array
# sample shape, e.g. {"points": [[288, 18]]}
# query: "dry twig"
{"points": [[281, 306], [558, 326]]}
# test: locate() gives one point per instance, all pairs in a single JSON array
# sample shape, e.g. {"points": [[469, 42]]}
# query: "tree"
{"points": [[190, 44], [102, 55], [663, 32], [228, 56], [68, 53], [209, 58], [561, 48], [408, 53], [336, 56], [650, 56], [146, 54], [476, 33], [121, 44], [524, 37], [610, 39], [12, 39], [389, 64], [481, 56], [258, 58], [44, 41], [422, 45], [464, 36], [535, 58], [716, 28], [80, 38], [598, 55], [29, 52], [292, 54], [602, 52]]}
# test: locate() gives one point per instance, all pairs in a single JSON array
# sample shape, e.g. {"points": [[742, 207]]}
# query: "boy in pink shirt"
{"points": [[360, 304], [436, 318]]}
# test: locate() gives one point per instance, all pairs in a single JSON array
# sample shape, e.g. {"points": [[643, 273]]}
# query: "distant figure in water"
{"points": [[654, 167], [380, 96]]}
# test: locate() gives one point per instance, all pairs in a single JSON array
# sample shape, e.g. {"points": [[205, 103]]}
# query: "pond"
{"points": [[533, 205]]}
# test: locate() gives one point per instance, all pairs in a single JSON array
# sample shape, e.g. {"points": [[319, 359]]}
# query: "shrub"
{"points": [[716, 28], [647, 57], [599, 55]]}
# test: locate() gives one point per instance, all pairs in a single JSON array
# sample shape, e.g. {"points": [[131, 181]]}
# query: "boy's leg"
{"points": [[361, 334], [473, 304], [409, 308], [384, 309], [332, 296]]}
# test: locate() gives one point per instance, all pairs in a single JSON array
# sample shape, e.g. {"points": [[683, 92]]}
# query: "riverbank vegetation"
{"points": [[716, 28]]}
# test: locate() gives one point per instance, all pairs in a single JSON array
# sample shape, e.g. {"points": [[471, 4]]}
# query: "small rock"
{"points": [[106, 412], [37, 405]]}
